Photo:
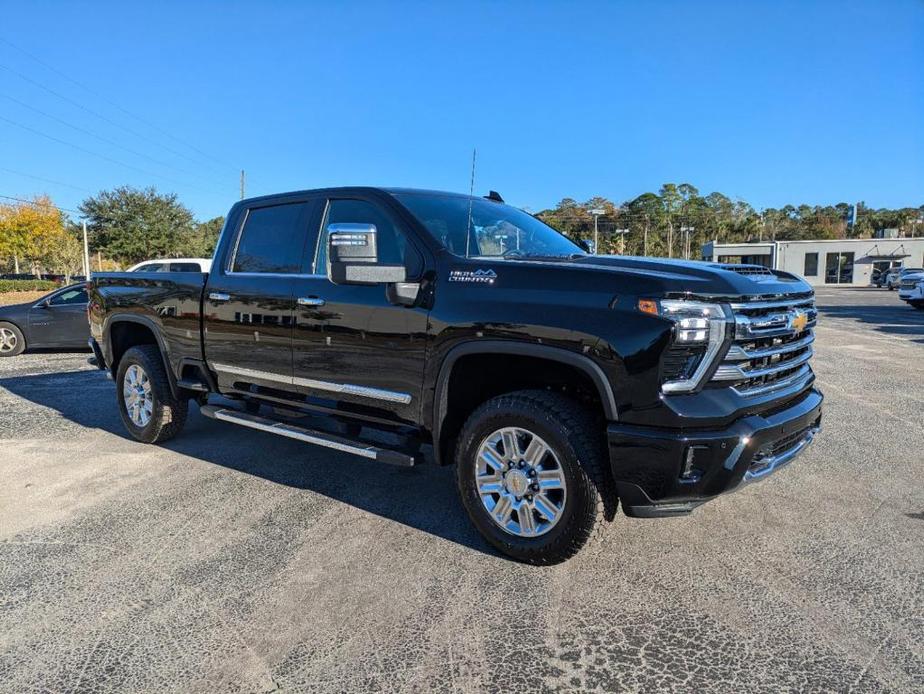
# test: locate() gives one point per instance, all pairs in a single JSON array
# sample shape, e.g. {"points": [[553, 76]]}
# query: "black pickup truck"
{"points": [[406, 325]]}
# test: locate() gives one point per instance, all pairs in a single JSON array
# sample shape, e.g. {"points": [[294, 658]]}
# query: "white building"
{"points": [[835, 261]]}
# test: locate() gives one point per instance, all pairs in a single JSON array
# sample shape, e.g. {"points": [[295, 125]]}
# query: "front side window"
{"points": [[811, 265], [392, 244], [150, 267], [495, 229], [272, 240], [76, 295]]}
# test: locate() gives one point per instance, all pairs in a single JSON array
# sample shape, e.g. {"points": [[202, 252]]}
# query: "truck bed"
{"points": [[170, 303]]}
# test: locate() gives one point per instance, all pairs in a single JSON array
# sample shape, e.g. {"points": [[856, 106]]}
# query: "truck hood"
{"points": [[701, 278]]}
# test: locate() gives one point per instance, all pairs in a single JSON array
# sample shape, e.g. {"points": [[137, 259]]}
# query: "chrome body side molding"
{"points": [[344, 388]]}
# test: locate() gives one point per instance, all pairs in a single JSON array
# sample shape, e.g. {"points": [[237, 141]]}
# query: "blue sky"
{"points": [[773, 102]]}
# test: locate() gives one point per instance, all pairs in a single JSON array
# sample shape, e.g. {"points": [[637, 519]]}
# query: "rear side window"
{"points": [[272, 240], [71, 296], [185, 267]]}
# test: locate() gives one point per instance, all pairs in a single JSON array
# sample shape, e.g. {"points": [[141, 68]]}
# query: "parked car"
{"points": [[56, 321], [557, 382], [894, 276], [911, 289], [173, 265]]}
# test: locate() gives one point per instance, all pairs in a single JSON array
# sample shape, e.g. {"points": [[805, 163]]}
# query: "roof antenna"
{"points": [[471, 199]]}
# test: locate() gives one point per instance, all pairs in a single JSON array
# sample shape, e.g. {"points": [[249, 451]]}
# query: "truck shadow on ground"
{"points": [[423, 497]]}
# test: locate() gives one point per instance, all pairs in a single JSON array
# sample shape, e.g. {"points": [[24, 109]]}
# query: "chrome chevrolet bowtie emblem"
{"points": [[798, 320]]}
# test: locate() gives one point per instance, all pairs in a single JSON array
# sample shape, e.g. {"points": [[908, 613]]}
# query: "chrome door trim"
{"points": [[349, 389], [310, 301], [344, 388]]}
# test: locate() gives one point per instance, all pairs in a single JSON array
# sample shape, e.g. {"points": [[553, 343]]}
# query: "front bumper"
{"points": [[914, 294], [661, 472]]}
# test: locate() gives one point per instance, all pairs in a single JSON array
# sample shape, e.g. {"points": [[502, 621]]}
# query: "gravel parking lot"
{"points": [[232, 560]]}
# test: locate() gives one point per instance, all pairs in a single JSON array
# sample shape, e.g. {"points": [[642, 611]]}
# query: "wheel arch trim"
{"points": [[564, 356], [158, 337]]}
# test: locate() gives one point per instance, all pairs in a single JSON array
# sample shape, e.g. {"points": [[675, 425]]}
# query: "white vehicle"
{"points": [[173, 265], [911, 290]]}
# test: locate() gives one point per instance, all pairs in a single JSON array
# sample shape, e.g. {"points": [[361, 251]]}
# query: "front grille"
{"points": [[909, 284], [773, 345]]}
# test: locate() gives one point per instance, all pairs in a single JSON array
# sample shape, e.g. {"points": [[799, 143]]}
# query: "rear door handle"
{"points": [[310, 301], [219, 296]]}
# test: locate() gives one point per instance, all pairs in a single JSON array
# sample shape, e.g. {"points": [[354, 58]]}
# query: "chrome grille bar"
{"points": [[738, 353], [731, 372], [772, 345]]}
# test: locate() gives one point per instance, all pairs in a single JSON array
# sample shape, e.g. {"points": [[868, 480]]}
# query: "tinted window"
{"points": [[150, 267], [71, 296], [393, 247], [811, 265], [185, 267], [272, 240]]}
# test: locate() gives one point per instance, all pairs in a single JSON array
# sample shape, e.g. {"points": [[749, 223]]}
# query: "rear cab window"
{"points": [[273, 240]]}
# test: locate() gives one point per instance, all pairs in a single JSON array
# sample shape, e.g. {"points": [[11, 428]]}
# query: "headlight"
{"points": [[699, 331]]}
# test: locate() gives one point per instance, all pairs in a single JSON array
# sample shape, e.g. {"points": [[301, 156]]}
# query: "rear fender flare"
{"points": [[158, 337]]}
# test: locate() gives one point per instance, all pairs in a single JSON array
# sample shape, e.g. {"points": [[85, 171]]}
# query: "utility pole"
{"points": [[645, 243], [596, 213], [670, 237], [622, 240], [242, 184], [686, 231], [99, 261], [86, 253]]}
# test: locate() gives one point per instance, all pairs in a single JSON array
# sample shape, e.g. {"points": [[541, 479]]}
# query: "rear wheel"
{"points": [[12, 341], [530, 468], [149, 410]]}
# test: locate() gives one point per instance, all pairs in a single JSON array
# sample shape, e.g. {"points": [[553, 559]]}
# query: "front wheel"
{"points": [[148, 407], [530, 467], [12, 341]]}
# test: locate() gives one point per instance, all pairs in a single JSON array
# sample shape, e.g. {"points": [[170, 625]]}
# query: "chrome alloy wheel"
{"points": [[137, 395], [520, 481], [8, 340]]}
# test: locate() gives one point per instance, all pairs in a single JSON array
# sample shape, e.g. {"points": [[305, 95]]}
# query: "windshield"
{"points": [[497, 230]]}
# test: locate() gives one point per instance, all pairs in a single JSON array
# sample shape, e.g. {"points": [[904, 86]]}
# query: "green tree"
{"points": [[132, 225], [200, 243]]}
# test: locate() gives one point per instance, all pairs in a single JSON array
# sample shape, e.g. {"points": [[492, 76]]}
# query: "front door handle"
{"points": [[310, 301], [219, 296]]}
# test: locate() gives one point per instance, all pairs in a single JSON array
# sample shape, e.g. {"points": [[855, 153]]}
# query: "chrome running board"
{"points": [[318, 438]]}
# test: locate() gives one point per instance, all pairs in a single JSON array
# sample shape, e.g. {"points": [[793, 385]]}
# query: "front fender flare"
{"points": [[564, 356]]}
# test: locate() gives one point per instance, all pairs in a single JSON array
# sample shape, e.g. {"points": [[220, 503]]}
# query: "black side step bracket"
{"points": [[192, 384], [318, 438]]}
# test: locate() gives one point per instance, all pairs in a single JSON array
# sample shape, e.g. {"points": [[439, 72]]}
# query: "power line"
{"points": [[101, 156], [96, 113], [40, 204], [112, 103], [98, 137], [46, 180]]}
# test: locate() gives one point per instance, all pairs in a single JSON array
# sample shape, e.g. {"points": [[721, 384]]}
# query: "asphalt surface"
{"points": [[231, 560]]}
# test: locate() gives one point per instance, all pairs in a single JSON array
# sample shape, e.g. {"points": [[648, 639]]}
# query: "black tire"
{"points": [[577, 440], [14, 334], [919, 305], [168, 414]]}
